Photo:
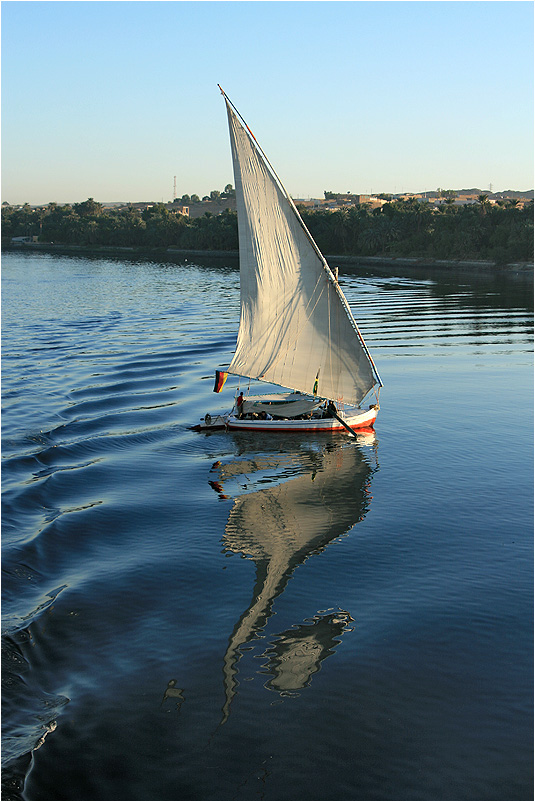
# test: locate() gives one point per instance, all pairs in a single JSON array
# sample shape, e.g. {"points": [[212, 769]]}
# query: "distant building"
{"points": [[173, 207], [24, 240], [467, 196], [214, 207], [370, 200]]}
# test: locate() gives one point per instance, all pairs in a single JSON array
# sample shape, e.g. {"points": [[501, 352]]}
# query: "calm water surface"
{"points": [[243, 617]]}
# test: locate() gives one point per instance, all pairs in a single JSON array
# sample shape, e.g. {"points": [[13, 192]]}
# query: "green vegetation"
{"points": [[88, 224], [501, 232]]}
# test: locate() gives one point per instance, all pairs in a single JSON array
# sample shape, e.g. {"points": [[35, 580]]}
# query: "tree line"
{"points": [[500, 232], [89, 224]]}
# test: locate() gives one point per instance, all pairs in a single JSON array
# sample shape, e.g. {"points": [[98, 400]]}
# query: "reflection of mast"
{"points": [[281, 526]]}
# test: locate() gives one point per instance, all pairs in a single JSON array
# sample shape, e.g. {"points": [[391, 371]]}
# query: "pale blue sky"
{"points": [[111, 100]]}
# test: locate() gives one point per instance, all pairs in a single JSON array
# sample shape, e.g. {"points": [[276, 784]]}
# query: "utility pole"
{"points": [[174, 189]]}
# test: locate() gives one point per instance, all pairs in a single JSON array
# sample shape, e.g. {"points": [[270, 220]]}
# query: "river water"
{"points": [[238, 617]]}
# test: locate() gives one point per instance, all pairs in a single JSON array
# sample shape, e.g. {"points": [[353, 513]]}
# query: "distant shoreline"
{"points": [[405, 262]]}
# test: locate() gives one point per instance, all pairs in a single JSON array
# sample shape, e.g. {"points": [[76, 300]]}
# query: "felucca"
{"points": [[296, 328]]}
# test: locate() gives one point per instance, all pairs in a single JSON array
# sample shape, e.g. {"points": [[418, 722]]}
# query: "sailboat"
{"points": [[296, 328]]}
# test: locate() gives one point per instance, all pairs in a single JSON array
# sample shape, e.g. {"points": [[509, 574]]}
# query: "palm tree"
{"points": [[484, 202]]}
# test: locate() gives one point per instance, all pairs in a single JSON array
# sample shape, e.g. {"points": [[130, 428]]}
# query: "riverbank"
{"points": [[365, 262], [436, 264]]}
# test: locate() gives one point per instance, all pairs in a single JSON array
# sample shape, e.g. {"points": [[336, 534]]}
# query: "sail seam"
{"points": [[295, 339]]}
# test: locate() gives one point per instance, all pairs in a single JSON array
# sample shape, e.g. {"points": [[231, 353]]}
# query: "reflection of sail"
{"points": [[298, 653], [279, 527]]}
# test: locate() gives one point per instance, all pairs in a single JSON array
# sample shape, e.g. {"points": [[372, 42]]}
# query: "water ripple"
{"points": [[126, 577]]}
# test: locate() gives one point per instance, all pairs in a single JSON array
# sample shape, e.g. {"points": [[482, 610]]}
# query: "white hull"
{"points": [[356, 420]]}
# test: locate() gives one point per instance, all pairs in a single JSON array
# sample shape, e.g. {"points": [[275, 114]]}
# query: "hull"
{"points": [[357, 420]]}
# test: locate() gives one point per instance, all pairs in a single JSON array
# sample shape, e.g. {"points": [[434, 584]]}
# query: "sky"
{"points": [[112, 100]]}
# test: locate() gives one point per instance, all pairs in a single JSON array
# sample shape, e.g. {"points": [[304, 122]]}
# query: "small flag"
{"points": [[220, 379], [315, 390]]}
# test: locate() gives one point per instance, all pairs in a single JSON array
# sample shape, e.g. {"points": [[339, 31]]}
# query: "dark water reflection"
{"points": [[279, 527], [191, 616]]}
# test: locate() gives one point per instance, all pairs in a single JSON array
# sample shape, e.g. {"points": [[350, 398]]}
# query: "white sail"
{"points": [[296, 329]]}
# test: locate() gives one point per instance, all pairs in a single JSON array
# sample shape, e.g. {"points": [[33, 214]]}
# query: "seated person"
{"points": [[331, 409]]}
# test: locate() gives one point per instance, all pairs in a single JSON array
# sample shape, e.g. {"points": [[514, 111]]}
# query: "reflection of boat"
{"points": [[297, 654], [296, 328], [311, 498]]}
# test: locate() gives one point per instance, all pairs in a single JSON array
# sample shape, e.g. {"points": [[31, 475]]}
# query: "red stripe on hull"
{"points": [[265, 429]]}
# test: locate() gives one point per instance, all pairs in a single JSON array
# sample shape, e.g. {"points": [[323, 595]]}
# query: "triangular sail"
{"points": [[296, 329]]}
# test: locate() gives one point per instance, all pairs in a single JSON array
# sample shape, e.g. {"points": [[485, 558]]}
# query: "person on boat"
{"points": [[239, 405], [331, 409]]}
